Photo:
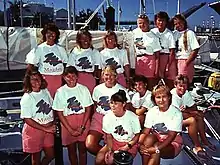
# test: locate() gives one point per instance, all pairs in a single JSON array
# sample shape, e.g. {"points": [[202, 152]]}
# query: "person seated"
{"points": [[163, 123], [122, 130], [193, 119], [101, 96], [141, 100]]}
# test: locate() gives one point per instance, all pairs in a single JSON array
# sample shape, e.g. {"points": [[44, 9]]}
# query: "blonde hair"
{"points": [[160, 88], [110, 69]]}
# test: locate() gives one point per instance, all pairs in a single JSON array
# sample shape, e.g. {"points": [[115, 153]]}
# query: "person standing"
{"points": [[167, 59], [187, 47], [112, 54], [147, 49], [85, 59], [49, 57], [36, 110]]}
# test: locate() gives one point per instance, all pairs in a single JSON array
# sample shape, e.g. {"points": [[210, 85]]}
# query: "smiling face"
{"points": [[179, 25], [109, 78], [181, 88], [117, 108], [140, 87], [111, 42], [70, 79], [85, 41], [161, 24], [162, 100], [35, 81], [50, 37], [143, 24]]}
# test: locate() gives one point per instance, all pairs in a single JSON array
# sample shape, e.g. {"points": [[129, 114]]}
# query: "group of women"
{"points": [[87, 91]]}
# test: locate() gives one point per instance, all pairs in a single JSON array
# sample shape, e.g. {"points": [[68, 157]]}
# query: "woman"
{"points": [[73, 103], [141, 100], [49, 57], [167, 59], [163, 123], [187, 47], [122, 128], [38, 130], [112, 54], [101, 96], [147, 49], [85, 59]]}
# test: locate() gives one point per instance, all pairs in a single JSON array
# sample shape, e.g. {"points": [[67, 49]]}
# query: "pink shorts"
{"points": [[145, 65], [172, 72], [187, 71], [75, 122], [121, 80], [54, 82], [176, 143], [34, 140], [87, 79], [116, 145], [96, 123]]}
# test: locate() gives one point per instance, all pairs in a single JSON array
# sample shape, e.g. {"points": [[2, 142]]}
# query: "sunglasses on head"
{"points": [[142, 16]]}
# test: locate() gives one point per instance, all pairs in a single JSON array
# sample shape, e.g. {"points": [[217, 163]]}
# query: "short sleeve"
{"points": [[97, 58], [95, 94], [135, 124], [135, 100], [148, 123], [71, 60], [148, 103], [33, 57], [57, 102], [124, 57], [87, 101], [188, 100], [193, 40], [176, 122], [171, 42], [63, 54], [156, 45], [106, 124], [26, 106]]}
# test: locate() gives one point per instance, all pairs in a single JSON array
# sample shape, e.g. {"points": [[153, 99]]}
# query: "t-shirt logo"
{"points": [[74, 104], [104, 103], [111, 61], [120, 130], [84, 63], [160, 128], [52, 59], [139, 43], [43, 107]]}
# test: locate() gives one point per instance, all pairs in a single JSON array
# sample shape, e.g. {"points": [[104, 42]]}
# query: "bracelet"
{"points": [[82, 127]]}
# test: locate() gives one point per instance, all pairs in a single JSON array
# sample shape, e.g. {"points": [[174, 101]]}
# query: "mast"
{"points": [[178, 6], [69, 14], [74, 14]]}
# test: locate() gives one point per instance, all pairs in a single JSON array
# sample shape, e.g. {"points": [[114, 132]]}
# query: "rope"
{"points": [[10, 92], [9, 82]]}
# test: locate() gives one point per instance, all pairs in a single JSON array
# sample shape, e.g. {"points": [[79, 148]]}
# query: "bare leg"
{"points": [[35, 158], [72, 154], [82, 153], [92, 142], [154, 159], [100, 158], [49, 155], [193, 131]]}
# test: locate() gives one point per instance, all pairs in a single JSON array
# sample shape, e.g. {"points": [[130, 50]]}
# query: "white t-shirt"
{"points": [[162, 122], [37, 106], [192, 43], [72, 100], [84, 59], [186, 100], [166, 39], [116, 57], [124, 128], [102, 95], [48, 58], [145, 101], [148, 40]]}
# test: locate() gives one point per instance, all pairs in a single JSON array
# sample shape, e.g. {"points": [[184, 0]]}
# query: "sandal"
{"points": [[201, 154], [211, 147]]}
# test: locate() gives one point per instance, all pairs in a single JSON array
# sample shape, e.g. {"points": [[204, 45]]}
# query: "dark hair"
{"points": [[139, 78], [27, 79], [159, 89], [81, 32], [181, 79], [181, 18], [162, 15], [119, 96], [70, 69], [111, 33], [52, 27]]}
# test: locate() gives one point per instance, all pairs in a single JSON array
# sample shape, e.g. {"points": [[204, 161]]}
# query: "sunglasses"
{"points": [[142, 16]]}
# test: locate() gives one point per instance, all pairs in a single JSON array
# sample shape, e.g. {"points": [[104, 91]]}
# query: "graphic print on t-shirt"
{"points": [[160, 128], [84, 63], [43, 107], [104, 102], [112, 62], [74, 104], [120, 130], [52, 59]]}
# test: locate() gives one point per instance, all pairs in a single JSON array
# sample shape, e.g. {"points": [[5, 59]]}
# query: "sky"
{"points": [[130, 8]]}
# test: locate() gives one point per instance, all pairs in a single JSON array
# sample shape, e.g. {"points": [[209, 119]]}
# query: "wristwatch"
{"points": [[82, 127], [157, 151], [129, 145]]}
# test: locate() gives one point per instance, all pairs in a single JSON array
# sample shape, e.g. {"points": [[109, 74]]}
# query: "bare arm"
{"points": [[168, 140], [143, 135], [64, 121], [157, 63], [140, 111], [109, 141], [127, 72], [86, 115], [192, 56]]}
